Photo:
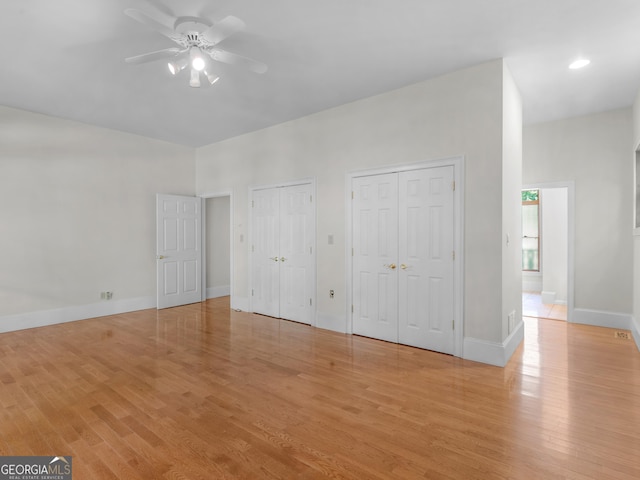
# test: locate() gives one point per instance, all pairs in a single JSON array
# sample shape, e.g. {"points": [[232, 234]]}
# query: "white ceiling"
{"points": [[66, 58]]}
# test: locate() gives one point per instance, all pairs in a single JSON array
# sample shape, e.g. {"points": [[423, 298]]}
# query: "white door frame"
{"points": [[304, 181], [571, 235], [204, 196], [458, 238]]}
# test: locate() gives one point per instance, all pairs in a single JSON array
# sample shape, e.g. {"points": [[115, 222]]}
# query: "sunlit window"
{"points": [[531, 230]]}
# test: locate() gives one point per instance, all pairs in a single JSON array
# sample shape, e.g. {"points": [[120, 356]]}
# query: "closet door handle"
{"points": [[391, 266], [275, 259], [282, 259], [403, 266]]}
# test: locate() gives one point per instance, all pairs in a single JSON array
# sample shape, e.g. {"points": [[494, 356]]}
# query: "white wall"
{"points": [[218, 247], [511, 205], [554, 216], [594, 152], [636, 237], [459, 113], [77, 205]]}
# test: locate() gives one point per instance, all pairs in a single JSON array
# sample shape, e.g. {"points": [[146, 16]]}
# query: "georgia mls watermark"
{"points": [[35, 468]]}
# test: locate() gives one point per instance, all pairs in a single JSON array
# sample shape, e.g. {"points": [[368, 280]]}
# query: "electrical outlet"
{"points": [[106, 295], [331, 293]]}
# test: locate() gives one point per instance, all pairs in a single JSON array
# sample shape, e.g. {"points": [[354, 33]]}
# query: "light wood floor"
{"points": [[199, 392], [532, 306]]}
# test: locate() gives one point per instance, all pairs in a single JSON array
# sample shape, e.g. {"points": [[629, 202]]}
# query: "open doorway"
{"points": [[218, 255], [547, 251]]}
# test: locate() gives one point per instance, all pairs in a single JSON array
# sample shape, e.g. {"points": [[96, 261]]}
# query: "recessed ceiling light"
{"points": [[582, 62]]}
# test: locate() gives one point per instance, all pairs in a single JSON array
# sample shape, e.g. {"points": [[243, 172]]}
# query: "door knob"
{"points": [[275, 259], [159, 257], [403, 266], [282, 259], [391, 266]]}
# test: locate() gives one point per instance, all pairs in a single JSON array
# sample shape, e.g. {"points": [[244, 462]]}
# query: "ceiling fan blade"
{"points": [[223, 29], [233, 59], [158, 10], [150, 22], [151, 56]]}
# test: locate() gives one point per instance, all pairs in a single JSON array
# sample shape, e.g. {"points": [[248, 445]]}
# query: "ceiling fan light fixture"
{"points": [[212, 77], [195, 38], [195, 78], [197, 59], [177, 66]]}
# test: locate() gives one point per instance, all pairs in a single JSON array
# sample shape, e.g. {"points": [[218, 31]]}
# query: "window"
{"points": [[531, 230]]}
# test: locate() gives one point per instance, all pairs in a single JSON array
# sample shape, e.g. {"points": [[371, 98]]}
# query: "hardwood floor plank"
{"points": [[201, 391]]}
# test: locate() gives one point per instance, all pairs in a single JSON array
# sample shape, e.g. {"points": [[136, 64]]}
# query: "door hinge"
{"points": [[352, 251], [252, 292], [453, 324], [453, 255], [351, 308], [311, 198], [453, 185], [311, 250], [253, 204], [310, 302], [352, 195]]}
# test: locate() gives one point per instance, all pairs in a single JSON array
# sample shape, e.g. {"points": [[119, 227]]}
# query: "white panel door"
{"points": [[425, 253], [283, 260], [297, 233], [375, 253], [265, 289], [178, 250]]}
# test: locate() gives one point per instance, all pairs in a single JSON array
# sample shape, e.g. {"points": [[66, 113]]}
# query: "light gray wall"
{"points": [[594, 152], [77, 205], [218, 246], [554, 215], [636, 237], [511, 204], [456, 114]]}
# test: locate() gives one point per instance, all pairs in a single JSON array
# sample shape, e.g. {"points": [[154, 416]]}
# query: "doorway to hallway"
{"points": [[548, 250]]}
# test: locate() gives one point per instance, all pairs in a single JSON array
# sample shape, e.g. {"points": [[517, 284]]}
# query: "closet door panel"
{"points": [[265, 288], [375, 249], [425, 253], [297, 233]]}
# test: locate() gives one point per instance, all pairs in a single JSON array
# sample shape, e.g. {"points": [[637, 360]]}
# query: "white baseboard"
{"points": [[42, 318], [329, 321], [217, 292], [599, 318], [548, 298], [493, 353], [635, 331], [240, 303]]}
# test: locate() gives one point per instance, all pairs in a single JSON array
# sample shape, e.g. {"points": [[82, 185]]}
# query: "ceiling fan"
{"points": [[197, 40]]}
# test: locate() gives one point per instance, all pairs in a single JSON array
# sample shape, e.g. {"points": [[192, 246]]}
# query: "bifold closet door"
{"points": [[403, 257], [283, 266]]}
